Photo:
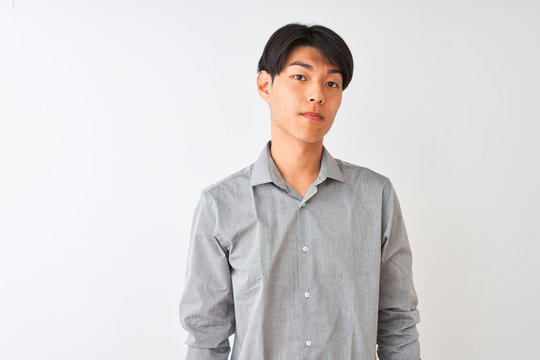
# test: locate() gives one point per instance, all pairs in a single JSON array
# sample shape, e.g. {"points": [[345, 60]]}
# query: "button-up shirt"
{"points": [[327, 276]]}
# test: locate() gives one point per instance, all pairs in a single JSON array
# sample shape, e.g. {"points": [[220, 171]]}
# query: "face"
{"points": [[304, 98]]}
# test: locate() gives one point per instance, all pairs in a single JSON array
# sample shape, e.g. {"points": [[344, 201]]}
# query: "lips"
{"points": [[312, 115]]}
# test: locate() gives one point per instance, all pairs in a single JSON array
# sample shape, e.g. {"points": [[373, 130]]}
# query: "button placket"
{"points": [[306, 281]]}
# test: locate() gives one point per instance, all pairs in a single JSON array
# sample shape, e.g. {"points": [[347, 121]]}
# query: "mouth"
{"points": [[312, 115]]}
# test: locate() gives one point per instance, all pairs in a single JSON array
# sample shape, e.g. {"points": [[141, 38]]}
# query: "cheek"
{"points": [[288, 100], [336, 103]]}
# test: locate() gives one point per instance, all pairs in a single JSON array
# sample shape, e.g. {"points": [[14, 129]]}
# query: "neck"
{"points": [[297, 161]]}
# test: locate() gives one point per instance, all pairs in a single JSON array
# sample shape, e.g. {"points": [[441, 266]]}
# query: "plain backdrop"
{"points": [[115, 114]]}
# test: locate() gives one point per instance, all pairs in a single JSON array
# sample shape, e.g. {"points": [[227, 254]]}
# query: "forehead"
{"points": [[309, 58]]}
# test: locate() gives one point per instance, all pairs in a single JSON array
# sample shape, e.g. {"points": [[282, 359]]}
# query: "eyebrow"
{"points": [[310, 67]]}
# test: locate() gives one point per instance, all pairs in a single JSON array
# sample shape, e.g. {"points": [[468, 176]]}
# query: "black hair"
{"points": [[290, 36]]}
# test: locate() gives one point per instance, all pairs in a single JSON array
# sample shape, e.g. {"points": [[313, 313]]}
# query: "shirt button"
{"points": [[303, 204], [305, 249], [308, 343], [306, 294]]}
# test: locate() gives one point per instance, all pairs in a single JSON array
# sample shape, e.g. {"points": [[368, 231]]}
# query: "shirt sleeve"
{"points": [[397, 335], [206, 306]]}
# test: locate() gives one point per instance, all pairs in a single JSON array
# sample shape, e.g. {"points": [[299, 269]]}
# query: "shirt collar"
{"points": [[265, 170]]}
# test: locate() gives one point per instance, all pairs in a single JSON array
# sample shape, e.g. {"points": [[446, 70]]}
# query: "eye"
{"points": [[333, 84], [295, 76]]}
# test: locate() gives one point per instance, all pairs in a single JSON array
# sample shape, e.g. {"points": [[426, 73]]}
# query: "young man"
{"points": [[300, 255]]}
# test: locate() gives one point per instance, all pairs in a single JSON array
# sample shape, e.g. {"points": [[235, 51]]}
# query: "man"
{"points": [[300, 255]]}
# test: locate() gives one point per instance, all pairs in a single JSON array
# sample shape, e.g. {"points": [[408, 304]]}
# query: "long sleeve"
{"points": [[206, 306], [397, 335]]}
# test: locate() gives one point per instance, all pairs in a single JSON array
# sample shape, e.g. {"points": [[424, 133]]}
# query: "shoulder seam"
{"points": [[227, 178], [360, 167]]}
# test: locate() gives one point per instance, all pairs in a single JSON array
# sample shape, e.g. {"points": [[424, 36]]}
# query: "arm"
{"points": [[207, 307], [397, 336]]}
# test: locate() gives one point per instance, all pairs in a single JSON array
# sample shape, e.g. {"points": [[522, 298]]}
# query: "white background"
{"points": [[115, 114]]}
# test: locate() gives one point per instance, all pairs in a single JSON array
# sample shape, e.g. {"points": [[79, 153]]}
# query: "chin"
{"points": [[310, 139]]}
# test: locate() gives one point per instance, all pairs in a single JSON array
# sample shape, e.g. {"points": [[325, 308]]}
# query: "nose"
{"points": [[315, 94]]}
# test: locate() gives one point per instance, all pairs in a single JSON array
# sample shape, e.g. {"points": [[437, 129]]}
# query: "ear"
{"points": [[264, 84]]}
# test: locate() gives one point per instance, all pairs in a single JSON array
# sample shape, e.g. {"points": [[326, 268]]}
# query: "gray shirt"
{"points": [[324, 277]]}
